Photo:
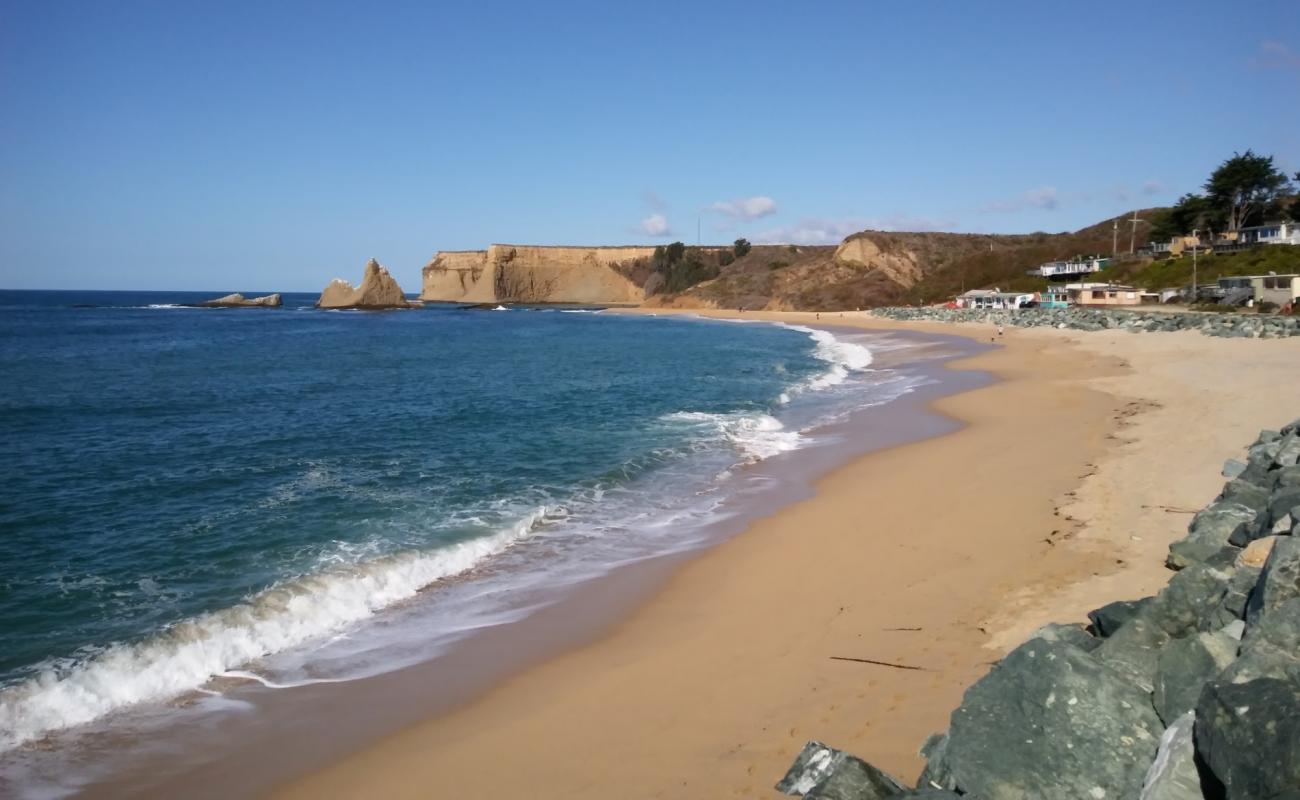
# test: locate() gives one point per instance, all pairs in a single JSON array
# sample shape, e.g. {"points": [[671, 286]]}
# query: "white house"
{"points": [[1275, 233], [994, 298], [1075, 266]]}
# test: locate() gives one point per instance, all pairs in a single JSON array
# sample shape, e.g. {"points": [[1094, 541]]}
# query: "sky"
{"points": [[258, 146]]}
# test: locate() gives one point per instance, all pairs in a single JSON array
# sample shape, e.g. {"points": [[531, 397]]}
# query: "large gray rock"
{"points": [[1173, 775], [1211, 529], [1048, 721], [1189, 603], [1270, 647], [1288, 454], [1076, 635], [1248, 735], [1184, 666], [1108, 619], [1283, 499], [824, 773], [1280, 579]]}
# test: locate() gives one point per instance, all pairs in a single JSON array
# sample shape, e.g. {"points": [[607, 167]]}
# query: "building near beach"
{"points": [[994, 298], [1053, 297], [1278, 289], [1083, 265], [1108, 294]]}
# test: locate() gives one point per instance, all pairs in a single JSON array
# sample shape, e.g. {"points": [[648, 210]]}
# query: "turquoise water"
{"points": [[188, 493]]}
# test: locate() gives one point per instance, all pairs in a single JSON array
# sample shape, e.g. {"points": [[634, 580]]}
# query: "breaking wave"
{"points": [[187, 655]]}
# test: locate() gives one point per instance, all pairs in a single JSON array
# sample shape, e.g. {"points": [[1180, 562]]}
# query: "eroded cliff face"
{"points": [[507, 273]]}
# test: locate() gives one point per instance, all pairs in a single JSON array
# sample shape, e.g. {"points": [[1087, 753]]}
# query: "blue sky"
{"points": [[273, 146]]}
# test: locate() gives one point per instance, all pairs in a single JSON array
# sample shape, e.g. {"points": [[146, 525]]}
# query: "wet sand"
{"points": [[1061, 492]]}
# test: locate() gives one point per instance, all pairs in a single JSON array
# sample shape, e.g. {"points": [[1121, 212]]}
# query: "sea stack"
{"points": [[237, 300], [377, 290]]}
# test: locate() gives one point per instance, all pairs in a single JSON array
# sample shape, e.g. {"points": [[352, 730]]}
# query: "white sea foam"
{"points": [[756, 436], [187, 655], [500, 308], [843, 358]]}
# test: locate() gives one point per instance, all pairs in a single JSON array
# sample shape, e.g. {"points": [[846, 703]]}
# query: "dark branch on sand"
{"points": [[878, 663]]}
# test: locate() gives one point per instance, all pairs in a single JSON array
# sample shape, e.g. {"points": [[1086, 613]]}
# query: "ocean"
{"points": [[194, 498]]}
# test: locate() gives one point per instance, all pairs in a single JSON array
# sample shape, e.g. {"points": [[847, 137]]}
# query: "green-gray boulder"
{"points": [[1173, 775], [1108, 619], [824, 773], [1280, 579], [1248, 735], [1049, 721], [1184, 666]]}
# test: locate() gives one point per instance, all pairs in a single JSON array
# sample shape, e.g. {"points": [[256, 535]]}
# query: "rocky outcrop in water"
{"points": [[1250, 326], [378, 290], [237, 300], [1193, 694]]}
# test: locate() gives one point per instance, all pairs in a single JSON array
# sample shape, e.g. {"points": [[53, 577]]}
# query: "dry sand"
{"points": [[1072, 475]]}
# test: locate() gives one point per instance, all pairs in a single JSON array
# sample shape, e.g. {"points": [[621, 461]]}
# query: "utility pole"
{"points": [[1132, 236], [1195, 246], [1114, 237]]}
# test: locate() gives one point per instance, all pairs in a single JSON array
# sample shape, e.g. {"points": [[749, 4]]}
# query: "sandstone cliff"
{"points": [[535, 274], [378, 289], [237, 300]]}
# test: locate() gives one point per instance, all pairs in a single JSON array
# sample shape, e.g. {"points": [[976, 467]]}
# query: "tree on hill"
{"points": [[741, 248], [1245, 186], [1191, 212]]}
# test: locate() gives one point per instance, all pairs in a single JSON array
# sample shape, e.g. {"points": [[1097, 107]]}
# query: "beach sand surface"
{"points": [[1061, 492]]}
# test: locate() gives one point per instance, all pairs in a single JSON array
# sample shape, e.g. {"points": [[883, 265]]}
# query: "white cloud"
{"points": [[833, 231], [746, 208], [1044, 197], [1275, 55], [655, 225]]}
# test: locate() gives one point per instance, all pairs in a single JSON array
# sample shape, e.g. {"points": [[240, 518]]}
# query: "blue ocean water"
{"points": [[185, 492]]}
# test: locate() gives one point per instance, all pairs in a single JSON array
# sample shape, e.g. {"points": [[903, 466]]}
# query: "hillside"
{"points": [[875, 268]]}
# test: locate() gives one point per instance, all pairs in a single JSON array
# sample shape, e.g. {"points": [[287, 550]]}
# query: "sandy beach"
{"points": [[1056, 496]]}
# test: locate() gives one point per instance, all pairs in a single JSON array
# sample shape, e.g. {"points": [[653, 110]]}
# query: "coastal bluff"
{"points": [[507, 273], [377, 290]]}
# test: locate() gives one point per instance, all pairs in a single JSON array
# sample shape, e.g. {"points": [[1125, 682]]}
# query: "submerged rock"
{"points": [[1248, 734], [237, 300], [824, 773], [1048, 721], [378, 290]]}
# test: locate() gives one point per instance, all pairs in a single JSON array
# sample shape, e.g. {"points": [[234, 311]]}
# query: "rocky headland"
{"points": [[507, 273], [377, 290], [1257, 326], [1190, 694], [237, 300]]}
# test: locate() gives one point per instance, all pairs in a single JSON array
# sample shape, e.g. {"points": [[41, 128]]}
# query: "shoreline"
{"points": [[623, 701], [712, 687], [199, 762]]}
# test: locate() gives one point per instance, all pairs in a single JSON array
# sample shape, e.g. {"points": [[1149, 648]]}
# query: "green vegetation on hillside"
{"points": [[1177, 272], [1246, 189]]}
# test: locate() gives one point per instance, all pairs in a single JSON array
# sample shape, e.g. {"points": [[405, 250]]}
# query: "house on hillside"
{"points": [[1108, 294], [1083, 265], [993, 298], [1273, 233]]}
